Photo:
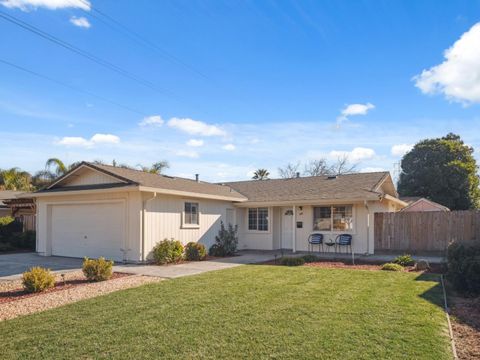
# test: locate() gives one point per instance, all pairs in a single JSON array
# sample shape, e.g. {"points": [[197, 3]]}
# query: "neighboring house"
{"points": [[422, 204], [99, 210], [6, 195]]}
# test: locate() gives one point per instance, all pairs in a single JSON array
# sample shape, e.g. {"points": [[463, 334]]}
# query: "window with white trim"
{"points": [[258, 219], [190, 215], [336, 218]]}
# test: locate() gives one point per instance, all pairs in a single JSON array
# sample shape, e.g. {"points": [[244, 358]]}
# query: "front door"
{"points": [[287, 228]]}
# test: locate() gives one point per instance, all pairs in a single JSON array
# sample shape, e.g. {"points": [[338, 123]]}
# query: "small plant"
{"points": [[310, 258], [404, 260], [97, 269], [226, 241], [392, 267], [37, 279], [5, 220], [195, 251], [168, 251], [292, 261]]}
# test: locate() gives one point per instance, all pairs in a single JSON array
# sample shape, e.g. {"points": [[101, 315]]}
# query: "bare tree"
{"points": [[318, 167], [289, 171], [343, 166]]}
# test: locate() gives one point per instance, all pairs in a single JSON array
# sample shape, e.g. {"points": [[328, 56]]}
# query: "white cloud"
{"points": [[401, 149], [357, 154], [354, 110], [372, 169], [195, 127], [228, 147], [97, 139], [458, 76], [195, 143], [187, 153], [80, 22], [26, 5], [154, 120]]}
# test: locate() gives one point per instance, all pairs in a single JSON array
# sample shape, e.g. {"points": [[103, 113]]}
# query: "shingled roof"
{"points": [[359, 186], [141, 178]]}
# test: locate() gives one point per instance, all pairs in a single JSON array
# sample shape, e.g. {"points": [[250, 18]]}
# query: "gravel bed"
{"points": [[51, 300]]}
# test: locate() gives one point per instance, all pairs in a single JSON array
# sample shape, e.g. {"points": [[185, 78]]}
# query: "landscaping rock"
{"points": [[422, 265]]}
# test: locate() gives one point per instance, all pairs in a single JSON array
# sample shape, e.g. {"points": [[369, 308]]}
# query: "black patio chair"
{"points": [[315, 239], [343, 240]]}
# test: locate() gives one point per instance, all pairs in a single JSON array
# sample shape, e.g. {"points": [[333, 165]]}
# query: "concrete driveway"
{"points": [[13, 265]]}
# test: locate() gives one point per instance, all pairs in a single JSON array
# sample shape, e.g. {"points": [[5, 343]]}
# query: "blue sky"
{"points": [[237, 85]]}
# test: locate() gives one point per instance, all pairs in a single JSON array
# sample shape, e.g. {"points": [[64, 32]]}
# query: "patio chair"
{"points": [[343, 240], [315, 239]]}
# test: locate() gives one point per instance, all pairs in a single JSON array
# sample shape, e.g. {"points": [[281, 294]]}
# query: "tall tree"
{"points": [[155, 168], [59, 167], [317, 167], [15, 179], [343, 166], [260, 174], [289, 171], [442, 170]]}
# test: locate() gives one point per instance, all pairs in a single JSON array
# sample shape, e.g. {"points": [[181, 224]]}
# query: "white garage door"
{"points": [[92, 230]]}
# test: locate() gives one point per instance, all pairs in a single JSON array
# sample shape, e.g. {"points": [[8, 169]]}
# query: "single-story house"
{"points": [[100, 210], [422, 204]]}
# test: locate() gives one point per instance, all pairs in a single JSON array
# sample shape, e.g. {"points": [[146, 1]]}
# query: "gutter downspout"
{"points": [[144, 205], [365, 203]]}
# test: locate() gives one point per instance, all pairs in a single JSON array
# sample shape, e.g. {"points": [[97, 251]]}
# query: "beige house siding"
{"points": [[89, 177], [258, 240], [164, 220]]}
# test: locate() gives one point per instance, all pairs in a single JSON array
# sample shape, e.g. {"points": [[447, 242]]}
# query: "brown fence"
{"points": [[418, 232]]}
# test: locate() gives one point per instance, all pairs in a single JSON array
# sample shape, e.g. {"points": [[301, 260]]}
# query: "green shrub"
{"points": [[195, 251], [392, 267], [97, 269], [309, 258], [463, 263], [37, 279], [404, 260], [5, 220], [292, 261], [226, 241], [168, 251]]}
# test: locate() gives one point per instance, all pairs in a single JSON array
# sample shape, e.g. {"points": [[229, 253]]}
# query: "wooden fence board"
{"points": [[425, 231]]}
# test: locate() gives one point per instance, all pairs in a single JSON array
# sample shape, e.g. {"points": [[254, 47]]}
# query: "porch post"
{"points": [[294, 232]]}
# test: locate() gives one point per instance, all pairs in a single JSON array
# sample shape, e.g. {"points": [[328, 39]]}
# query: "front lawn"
{"points": [[248, 312]]}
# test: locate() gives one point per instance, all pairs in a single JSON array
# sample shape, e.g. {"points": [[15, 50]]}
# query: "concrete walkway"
{"points": [[195, 267], [13, 265]]}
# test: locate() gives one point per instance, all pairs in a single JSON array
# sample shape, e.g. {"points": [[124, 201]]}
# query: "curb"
{"points": [[445, 305]]}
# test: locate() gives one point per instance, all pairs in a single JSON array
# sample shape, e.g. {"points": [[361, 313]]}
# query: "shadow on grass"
{"points": [[435, 293]]}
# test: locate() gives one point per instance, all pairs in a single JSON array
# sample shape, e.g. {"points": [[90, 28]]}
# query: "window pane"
{"points": [[322, 218], [252, 219], [263, 219], [191, 213], [342, 218]]}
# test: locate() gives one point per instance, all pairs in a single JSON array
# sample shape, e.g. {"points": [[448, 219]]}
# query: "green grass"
{"points": [[249, 312]]}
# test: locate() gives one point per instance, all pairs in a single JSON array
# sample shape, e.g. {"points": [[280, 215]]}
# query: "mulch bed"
{"points": [[465, 318], [18, 294], [359, 265]]}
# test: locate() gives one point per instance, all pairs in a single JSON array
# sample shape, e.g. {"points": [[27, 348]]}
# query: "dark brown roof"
{"points": [[352, 186], [141, 178]]}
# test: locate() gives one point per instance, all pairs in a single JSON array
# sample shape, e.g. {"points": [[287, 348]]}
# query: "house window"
{"points": [[258, 219], [336, 218], [191, 213]]}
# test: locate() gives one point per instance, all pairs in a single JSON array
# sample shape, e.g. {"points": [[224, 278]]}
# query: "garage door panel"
{"points": [[92, 230]]}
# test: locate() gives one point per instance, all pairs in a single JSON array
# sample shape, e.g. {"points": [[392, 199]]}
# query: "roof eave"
{"points": [[192, 194]]}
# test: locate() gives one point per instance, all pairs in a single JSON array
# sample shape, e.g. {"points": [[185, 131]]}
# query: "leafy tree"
{"points": [[156, 168], [59, 167], [261, 174], [15, 179], [442, 170]]}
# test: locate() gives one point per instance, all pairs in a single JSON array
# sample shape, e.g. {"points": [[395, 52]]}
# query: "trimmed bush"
{"points": [[404, 260], [309, 258], [463, 264], [97, 269], [226, 241], [392, 267], [292, 261], [168, 251], [195, 251], [37, 279]]}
